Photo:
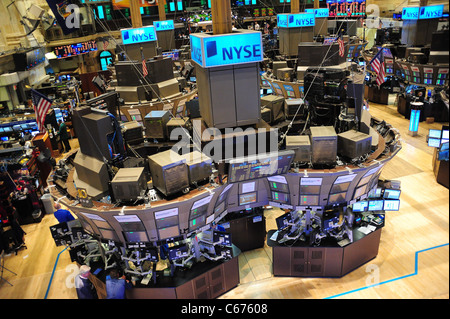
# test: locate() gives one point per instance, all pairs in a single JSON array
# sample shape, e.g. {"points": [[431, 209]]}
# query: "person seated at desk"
{"points": [[62, 215], [115, 286]]}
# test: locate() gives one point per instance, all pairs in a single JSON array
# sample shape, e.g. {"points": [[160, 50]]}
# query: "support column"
{"points": [[221, 16], [316, 4], [162, 10], [135, 13], [295, 6]]}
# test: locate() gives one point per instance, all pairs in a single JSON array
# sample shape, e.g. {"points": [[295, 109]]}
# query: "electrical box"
{"points": [[285, 74], [323, 145], [155, 124], [353, 143], [291, 106], [169, 172], [199, 166], [301, 145], [128, 183], [132, 132]]}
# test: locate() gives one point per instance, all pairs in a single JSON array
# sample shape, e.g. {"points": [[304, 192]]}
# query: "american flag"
{"points": [[42, 105], [377, 64], [144, 66], [341, 46]]}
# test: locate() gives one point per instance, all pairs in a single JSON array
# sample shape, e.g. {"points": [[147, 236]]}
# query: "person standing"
{"points": [[62, 215], [64, 136], [85, 289]]}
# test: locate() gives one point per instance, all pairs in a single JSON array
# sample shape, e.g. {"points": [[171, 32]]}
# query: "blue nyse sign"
{"points": [[319, 13], [410, 13], [296, 20], [431, 12], [164, 25], [229, 49], [138, 35]]}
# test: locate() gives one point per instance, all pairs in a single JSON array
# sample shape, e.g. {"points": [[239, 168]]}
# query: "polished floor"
{"points": [[412, 263]]}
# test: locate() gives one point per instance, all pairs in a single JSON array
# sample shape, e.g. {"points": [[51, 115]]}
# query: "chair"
{"points": [[2, 268]]}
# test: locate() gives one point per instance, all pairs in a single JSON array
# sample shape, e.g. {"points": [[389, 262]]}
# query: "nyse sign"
{"points": [[230, 49], [431, 12], [428, 12], [138, 35], [164, 25], [298, 20], [319, 13]]}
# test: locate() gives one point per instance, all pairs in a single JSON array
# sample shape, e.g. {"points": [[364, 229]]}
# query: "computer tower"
{"points": [[169, 172], [160, 69], [155, 124], [199, 166], [129, 183], [291, 106], [301, 145], [276, 105], [323, 145], [353, 144]]}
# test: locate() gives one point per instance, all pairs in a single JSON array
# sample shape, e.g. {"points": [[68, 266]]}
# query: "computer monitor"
{"points": [[245, 199], [391, 205], [223, 238], [434, 142], [309, 200], [283, 220], [391, 193], [280, 197], [375, 193], [135, 236], [178, 252], [361, 206], [375, 205], [434, 133], [4, 138]]}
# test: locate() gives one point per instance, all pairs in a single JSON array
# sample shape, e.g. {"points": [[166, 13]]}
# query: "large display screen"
{"points": [[346, 8], [67, 51], [260, 166]]}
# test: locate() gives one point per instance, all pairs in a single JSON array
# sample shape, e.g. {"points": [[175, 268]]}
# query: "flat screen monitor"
{"points": [[375, 193], [197, 222], [279, 187], [108, 234], [445, 134], [283, 220], [166, 218], [280, 197], [135, 236], [4, 138], [339, 188], [375, 205], [223, 238], [102, 224], [309, 200], [178, 252], [168, 232], [132, 226], [361, 206], [434, 142], [245, 199], [360, 191], [337, 198], [391, 193], [435, 133], [219, 208], [391, 205]]}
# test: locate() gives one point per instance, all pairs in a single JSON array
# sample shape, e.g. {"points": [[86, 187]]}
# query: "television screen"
{"points": [[391, 205], [375, 193], [445, 134], [309, 200], [136, 236], [245, 199], [222, 238], [360, 206], [375, 205], [280, 197]]}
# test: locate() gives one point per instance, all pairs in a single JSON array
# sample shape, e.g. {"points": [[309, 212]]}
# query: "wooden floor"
{"points": [[412, 263]]}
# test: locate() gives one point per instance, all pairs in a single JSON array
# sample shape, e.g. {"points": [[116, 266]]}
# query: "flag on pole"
{"points": [[377, 64], [144, 66], [341, 46], [41, 105]]}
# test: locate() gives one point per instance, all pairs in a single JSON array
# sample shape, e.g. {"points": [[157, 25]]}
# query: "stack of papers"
{"points": [[367, 229]]}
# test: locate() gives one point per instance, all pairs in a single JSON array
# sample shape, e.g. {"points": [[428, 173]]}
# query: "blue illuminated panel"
{"points": [[229, 49], [410, 13], [138, 35], [414, 120], [431, 12], [319, 13], [297, 20], [164, 25]]}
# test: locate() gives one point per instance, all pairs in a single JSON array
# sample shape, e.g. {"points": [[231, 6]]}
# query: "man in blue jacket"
{"points": [[115, 286], [62, 215]]}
